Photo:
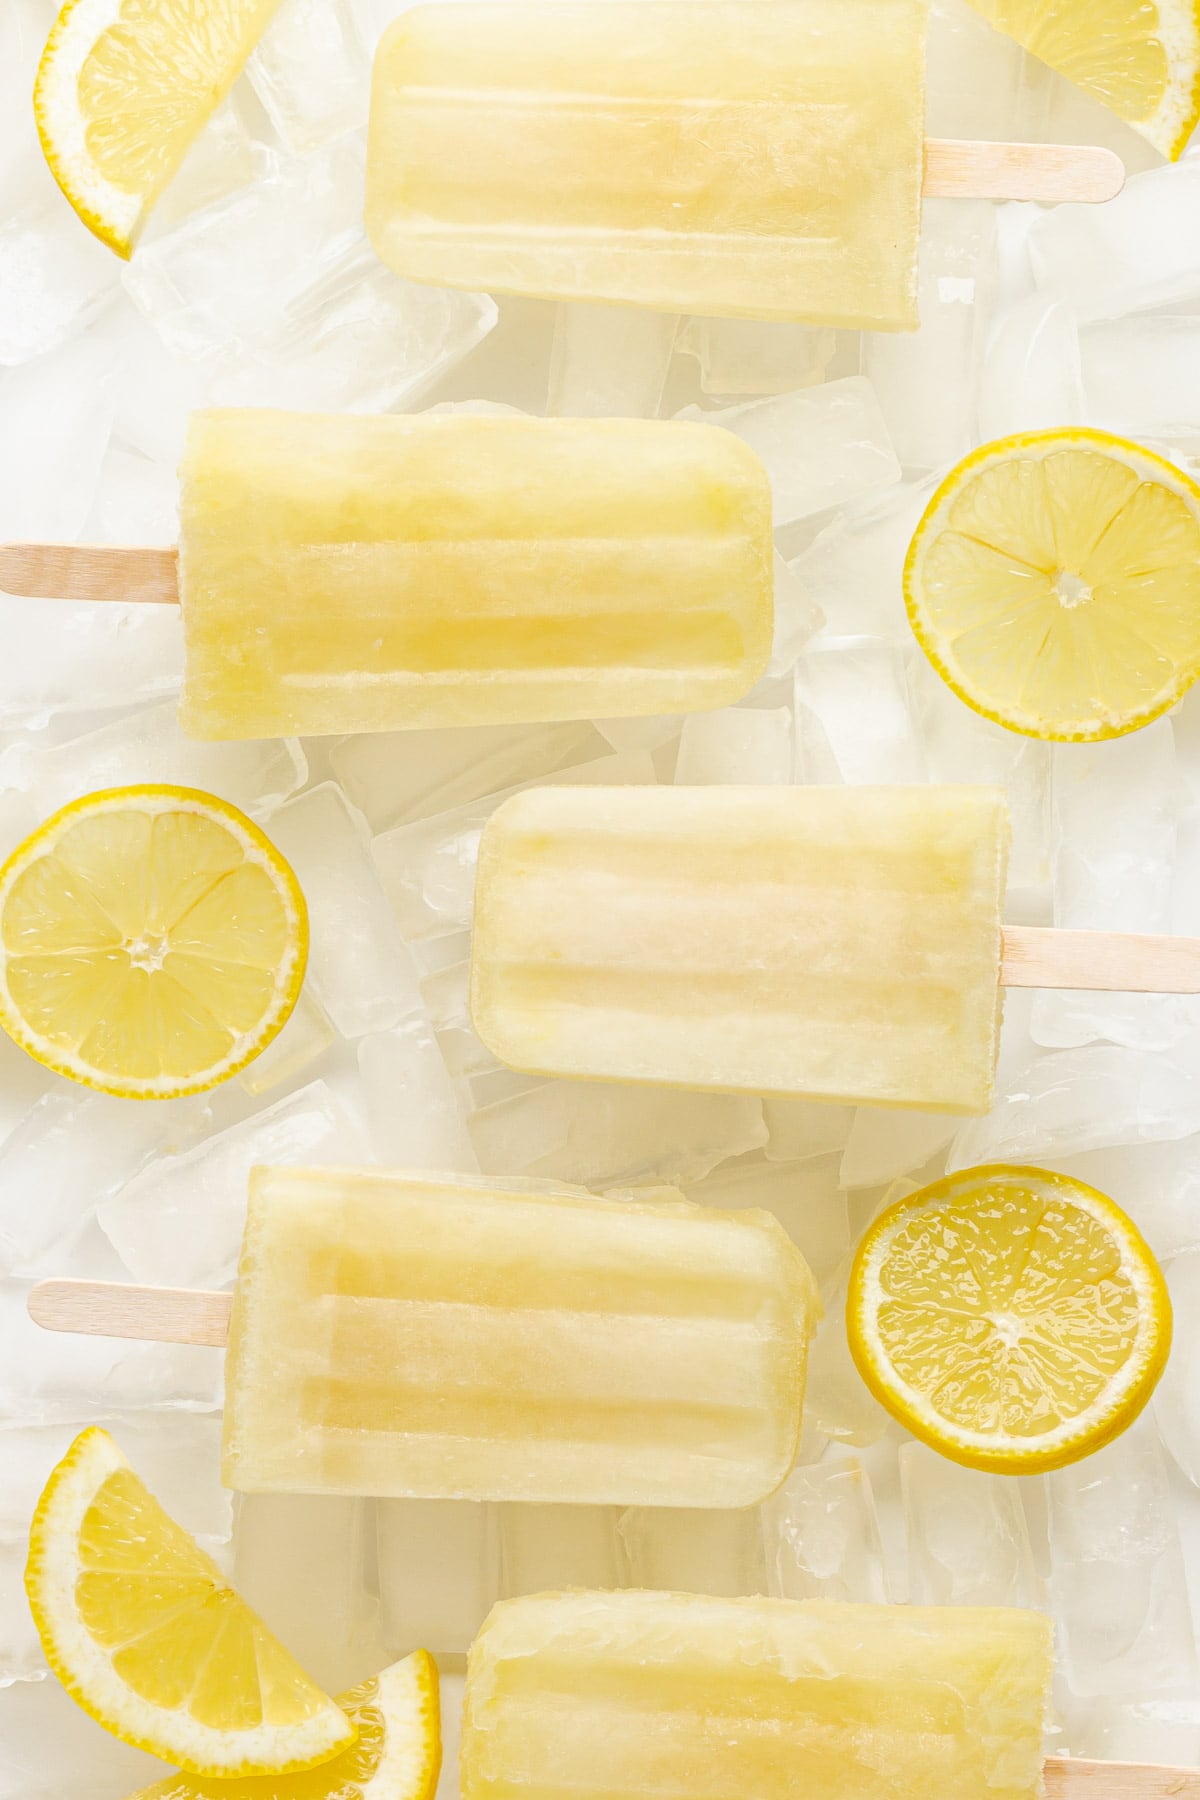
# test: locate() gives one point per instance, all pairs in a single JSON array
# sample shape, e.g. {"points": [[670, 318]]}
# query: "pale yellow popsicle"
{"points": [[840, 943], [342, 574], [645, 1696], [752, 158], [454, 1338]]}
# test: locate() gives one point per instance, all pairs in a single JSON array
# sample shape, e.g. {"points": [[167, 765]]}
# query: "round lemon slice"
{"points": [[1140, 58], [146, 1634], [1054, 584], [1011, 1318], [398, 1754], [124, 87], [152, 941]]}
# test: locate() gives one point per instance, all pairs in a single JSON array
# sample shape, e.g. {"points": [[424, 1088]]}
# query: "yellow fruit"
{"points": [[397, 1757], [1140, 58], [124, 87], [152, 942], [144, 1631], [1012, 1318], [1054, 584]]}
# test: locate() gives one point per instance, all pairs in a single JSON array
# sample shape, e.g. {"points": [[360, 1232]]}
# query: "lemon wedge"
{"points": [[152, 941], [1011, 1318], [1140, 58], [398, 1754], [124, 87], [144, 1631], [1054, 584]]}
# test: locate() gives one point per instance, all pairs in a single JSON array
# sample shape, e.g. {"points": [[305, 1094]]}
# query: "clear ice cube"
{"points": [[416, 1113], [858, 691], [609, 361], [694, 1550], [1141, 374], [968, 1541], [758, 356], [439, 1572], [310, 70], [56, 417], [549, 1548], [737, 744], [853, 569], [822, 1535], [50, 1747], [1177, 1397], [1136, 253], [54, 277], [804, 1197]]}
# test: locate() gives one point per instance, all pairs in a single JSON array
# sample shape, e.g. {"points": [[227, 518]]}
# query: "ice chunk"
{"points": [[302, 1561], [596, 1132], [1142, 374], [310, 70], [968, 1542], [748, 744], [1177, 1397], [685, 1550], [927, 381], [180, 1221], [156, 394], [395, 777], [1153, 1731], [546, 1548], [1055, 110], [821, 446], [883, 1145], [1031, 377], [758, 356], [54, 277], [305, 1038], [1117, 1583], [149, 746], [804, 1197], [21, 1655], [23, 28], [798, 1129], [22, 1080], [360, 968], [1137, 252], [1157, 1184], [822, 1535], [973, 77], [853, 569], [230, 273], [55, 419], [72, 1151], [136, 502], [62, 656], [439, 1572], [859, 694], [609, 361], [222, 159], [837, 1402], [446, 993], [798, 618], [416, 1113], [50, 1747]]}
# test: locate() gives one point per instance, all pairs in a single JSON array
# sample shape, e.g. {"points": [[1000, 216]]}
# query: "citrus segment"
{"points": [[152, 941], [1140, 58], [146, 1634], [1054, 584], [1012, 1318], [123, 89]]}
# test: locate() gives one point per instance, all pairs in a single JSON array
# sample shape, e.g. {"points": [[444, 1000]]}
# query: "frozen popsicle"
{"points": [[451, 1337], [346, 574], [754, 158], [578, 1696]]}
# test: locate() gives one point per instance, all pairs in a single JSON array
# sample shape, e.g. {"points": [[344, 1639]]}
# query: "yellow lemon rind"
{"points": [[111, 213]]}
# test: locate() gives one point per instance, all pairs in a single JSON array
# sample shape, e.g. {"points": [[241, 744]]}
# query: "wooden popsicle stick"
{"points": [[1073, 1778], [1118, 962], [958, 169], [124, 1309], [90, 572]]}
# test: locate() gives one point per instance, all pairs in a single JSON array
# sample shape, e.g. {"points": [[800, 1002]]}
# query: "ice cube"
{"points": [[821, 445], [1158, 1185], [968, 1542], [798, 618], [694, 1550], [736, 744], [136, 502], [310, 70], [23, 1080], [54, 277], [445, 992], [305, 1038], [758, 356], [56, 416], [798, 1129], [973, 77], [1142, 374], [1054, 110], [149, 746], [21, 1655], [180, 1221], [65, 656], [609, 361], [416, 1113], [837, 1402], [548, 1548], [1117, 1582], [804, 1197], [428, 868], [222, 159], [1031, 378], [229, 273], [395, 777], [50, 1747], [359, 966], [822, 1535], [1136, 253], [23, 28], [883, 1144], [73, 1150], [597, 1132], [927, 381], [1177, 1397], [853, 569], [439, 1572], [859, 694], [156, 394], [303, 1562], [1148, 1731]]}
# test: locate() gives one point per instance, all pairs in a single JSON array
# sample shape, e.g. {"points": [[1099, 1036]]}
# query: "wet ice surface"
{"points": [[255, 286]]}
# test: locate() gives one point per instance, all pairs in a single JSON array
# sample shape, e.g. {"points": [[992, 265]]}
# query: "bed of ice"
{"points": [[256, 286]]}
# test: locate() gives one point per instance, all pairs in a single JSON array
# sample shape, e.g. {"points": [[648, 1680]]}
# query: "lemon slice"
{"points": [[1140, 58], [152, 941], [144, 1631], [1011, 1318], [1054, 584], [397, 1757], [124, 87]]}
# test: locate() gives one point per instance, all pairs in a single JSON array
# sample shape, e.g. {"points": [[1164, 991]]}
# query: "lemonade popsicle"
{"points": [[346, 574], [704, 156], [579, 1696], [449, 1337], [840, 943]]}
